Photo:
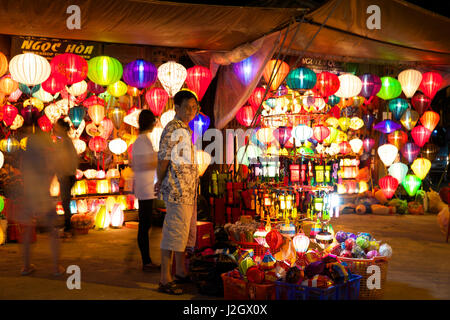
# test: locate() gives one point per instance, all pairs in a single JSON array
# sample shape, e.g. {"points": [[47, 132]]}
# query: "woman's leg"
{"points": [[145, 222]]}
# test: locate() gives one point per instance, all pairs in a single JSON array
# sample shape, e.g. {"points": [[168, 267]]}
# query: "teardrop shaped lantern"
{"points": [[344, 123], [108, 128], [411, 183], [301, 78], [76, 115], [203, 159], [9, 114], [117, 89], [116, 115], [302, 132], [245, 115], [429, 151], [157, 99], [420, 135], [410, 80], [398, 138], [368, 120], [387, 153], [350, 86], [398, 170], [398, 107], [356, 145], [368, 144], [140, 74], [172, 76], [117, 146], [104, 70], [96, 113], [80, 145], [265, 135], [431, 83], [29, 69], [390, 88], [409, 119], [410, 151], [371, 85], [71, 67], [320, 133], [280, 70], [199, 125], [301, 243], [420, 102], [421, 167], [198, 79], [282, 134], [256, 97], [388, 185], [430, 120]]}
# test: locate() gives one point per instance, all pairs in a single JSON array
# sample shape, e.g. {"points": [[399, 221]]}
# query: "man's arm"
{"points": [[162, 169]]}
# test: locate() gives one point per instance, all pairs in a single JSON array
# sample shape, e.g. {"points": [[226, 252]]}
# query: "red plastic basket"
{"points": [[239, 289]]}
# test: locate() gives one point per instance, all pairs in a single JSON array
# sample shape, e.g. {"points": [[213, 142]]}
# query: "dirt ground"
{"points": [[110, 263]]}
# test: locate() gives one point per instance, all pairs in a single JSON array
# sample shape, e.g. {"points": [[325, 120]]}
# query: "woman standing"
{"points": [[144, 162]]}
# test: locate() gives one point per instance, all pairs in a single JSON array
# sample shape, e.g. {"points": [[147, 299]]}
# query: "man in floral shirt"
{"points": [[177, 183]]}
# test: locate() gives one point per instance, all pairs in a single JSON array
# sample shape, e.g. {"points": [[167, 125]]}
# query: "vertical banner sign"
{"points": [[48, 47]]}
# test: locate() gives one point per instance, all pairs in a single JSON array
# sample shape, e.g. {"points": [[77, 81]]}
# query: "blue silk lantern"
{"points": [[333, 100], [73, 206], [368, 120], [254, 139], [387, 126], [140, 74], [199, 125], [271, 102], [301, 78], [246, 70], [76, 115], [398, 107], [25, 89]]}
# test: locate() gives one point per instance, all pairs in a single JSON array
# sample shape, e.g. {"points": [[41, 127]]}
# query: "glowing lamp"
{"points": [[117, 146], [43, 95], [3, 64], [102, 219], [356, 145], [8, 85], [29, 69], [301, 78], [409, 119], [247, 155], [172, 76], [356, 123], [327, 84], [398, 170], [302, 132], [107, 126], [45, 124], [9, 145], [76, 115], [79, 188], [398, 107], [387, 153], [246, 70], [132, 118], [140, 74], [17, 123], [363, 187], [104, 70], [421, 167], [398, 138], [116, 115], [167, 116], [410, 151], [410, 80], [278, 70], [320, 133], [203, 160], [82, 206], [368, 119], [13, 97], [97, 144], [332, 136], [93, 100], [429, 120], [157, 99], [282, 134], [333, 122], [387, 126], [344, 123], [71, 67], [2, 159], [420, 135], [350, 86], [117, 89], [96, 113], [133, 91], [256, 98], [420, 102], [390, 88], [77, 89], [9, 114], [431, 82], [344, 147], [54, 187], [371, 85], [388, 185], [198, 79], [113, 173], [117, 216], [80, 145], [265, 135], [199, 125], [411, 183], [103, 186]]}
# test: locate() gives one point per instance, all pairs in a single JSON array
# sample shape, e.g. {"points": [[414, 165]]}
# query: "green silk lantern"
{"points": [[104, 70], [411, 183], [390, 88], [301, 78]]}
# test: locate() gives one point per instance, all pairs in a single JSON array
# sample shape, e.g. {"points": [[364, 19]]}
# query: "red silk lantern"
{"points": [[157, 99], [93, 100], [431, 82], [320, 133], [45, 124], [421, 135], [274, 240], [345, 147], [398, 138], [198, 79], [245, 115], [430, 119], [9, 114], [54, 84], [420, 102], [97, 144], [71, 66], [388, 185], [327, 84], [256, 97]]}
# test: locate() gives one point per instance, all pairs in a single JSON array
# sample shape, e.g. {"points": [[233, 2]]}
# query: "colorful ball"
{"points": [[362, 242], [346, 254], [341, 236], [365, 234], [350, 243], [374, 245], [351, 235], [245, 264], [385, 250], [358, 252], [371, 254]]}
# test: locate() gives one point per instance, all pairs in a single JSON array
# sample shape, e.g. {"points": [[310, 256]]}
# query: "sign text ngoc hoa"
{"points": [[55, 47]]}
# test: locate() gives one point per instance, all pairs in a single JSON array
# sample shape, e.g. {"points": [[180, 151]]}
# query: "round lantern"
{"points": [[116, 115], [368, 144], [301, 243], [140, 74], [356, 145], [96, 113], [9, 114], [387, 153], [333, 122], [409, 119], [245, 115], [344, 123], [172, 76], [431, 82], [370, 85], [117, 89], [8, 85], [76, 115], [429, 151], [95, 88], [430, 120], [256, 98], [203, 159], [166, 117], [398, 107], [133, 91], [117, 146], [332, 136], [104, 70], [198, 79], [45, 124], [327, 84], [246, 70], [97, 144], [301, 78], [80, 145], [302, 132], [420, 135], [390, 88], [78, 88], [421, 167], [398, 170], [9, 145], [282, 134], [410, 151], [388, 185], [344, 147], [3, 64], [411, 183], [320, 133], [356, 123], [410, 80], [420, 102], [387, 126], [30, 114], [398, 138], [71, 66], [350, 86], [29, 69], [276, 69], [157, 99]]}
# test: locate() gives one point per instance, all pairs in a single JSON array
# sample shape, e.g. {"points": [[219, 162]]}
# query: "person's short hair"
{"points": [[63, 124], [183, 95], [146, 120]]}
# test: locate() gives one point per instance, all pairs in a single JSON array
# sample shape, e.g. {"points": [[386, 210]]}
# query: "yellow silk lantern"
{"points": [[117, 89], [340, 137], [35, 102], [8, 85], [23, 143], [410, 80], [103, 186], [203, 160], [77, 89], [109, 203], [421, 167], [363, 187], [356, 123], [344, 123], [80, 188], [122, 200], [133, 91], [113, 173], [333, 122], [333, 134], [117, 146], [96, 113], [102, 219]]}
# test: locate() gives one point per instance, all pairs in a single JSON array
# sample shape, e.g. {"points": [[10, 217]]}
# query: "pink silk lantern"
{"points": [[157, 99], [410, 151], [282, 134], [198, 79], [421, 135], [368, 144]]}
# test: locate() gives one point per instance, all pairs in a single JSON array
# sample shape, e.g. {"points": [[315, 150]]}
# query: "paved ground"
{"points": [[110, 264]]}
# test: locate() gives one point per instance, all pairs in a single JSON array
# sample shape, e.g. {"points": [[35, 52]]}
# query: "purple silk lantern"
{"points": [[410, 151], [246, 70], [387, 126], [95, 88], [29, 114], [282, 134], [368, 120], [368, 144], [371, 84], [140, 74]]}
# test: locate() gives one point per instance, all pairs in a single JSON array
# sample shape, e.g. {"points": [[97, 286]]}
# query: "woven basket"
{"points": [[359, 267]]}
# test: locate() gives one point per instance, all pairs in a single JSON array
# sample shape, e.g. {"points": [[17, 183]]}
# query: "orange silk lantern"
{"points": [[97, 113], [3, 64], [8, 85], [430, 119], [398, 138], [280, 71]]}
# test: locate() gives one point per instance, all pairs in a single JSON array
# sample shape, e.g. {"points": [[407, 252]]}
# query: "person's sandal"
{"points": [[170, 288], [27, 272]]}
